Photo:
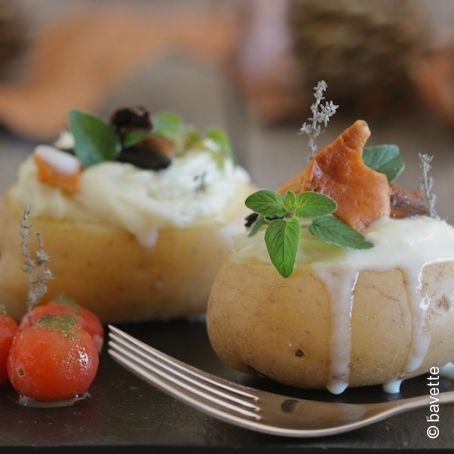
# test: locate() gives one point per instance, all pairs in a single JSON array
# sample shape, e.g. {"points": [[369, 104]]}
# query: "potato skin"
{"points": [[281, 327], [109, 272]]}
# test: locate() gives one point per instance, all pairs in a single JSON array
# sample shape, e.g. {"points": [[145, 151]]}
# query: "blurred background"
{"points": [[246, 65]]}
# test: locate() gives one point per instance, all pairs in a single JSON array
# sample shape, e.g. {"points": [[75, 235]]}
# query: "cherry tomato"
{"points": [[8, 329], [53, 359], [65, 305]]}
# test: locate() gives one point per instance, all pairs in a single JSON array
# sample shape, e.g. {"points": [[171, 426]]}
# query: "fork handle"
{"points": [[418, 402]]}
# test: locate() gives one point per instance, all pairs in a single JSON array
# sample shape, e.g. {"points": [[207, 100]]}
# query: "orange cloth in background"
{"points": [[79, 60]]}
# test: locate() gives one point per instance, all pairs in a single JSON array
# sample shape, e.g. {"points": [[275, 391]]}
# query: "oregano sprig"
{"points": [[284, 218]]}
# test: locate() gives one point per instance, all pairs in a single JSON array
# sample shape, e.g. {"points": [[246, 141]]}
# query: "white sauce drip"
{"points": [[447, 370], [407, 244], [340, 286], [393, 386], [150, 239], [420, 338]]}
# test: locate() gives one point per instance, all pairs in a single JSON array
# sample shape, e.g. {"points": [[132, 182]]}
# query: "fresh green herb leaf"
{"points": [[312, 205], [193, 140], [257, 225], [222, 140], [266, 202], [172, 127], [133, 138], [283, 232], [219, 159], [332, 230], [290, 201], [185, 138], [282, 239], [384, 159], [95, 140], [168, 125]]}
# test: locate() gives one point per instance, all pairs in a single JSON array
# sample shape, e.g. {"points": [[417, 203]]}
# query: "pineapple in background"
{"points": [[12, 35], [365, 49]]}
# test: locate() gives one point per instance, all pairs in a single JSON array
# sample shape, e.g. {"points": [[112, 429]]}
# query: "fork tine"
{"points": [[227, 385], [124, 347], [180, 390]]}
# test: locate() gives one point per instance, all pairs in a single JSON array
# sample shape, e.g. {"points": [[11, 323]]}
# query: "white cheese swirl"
{"points": [[140, 201]]}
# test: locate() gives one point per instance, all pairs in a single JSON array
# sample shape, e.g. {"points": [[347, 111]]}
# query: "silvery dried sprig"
{"points": [[35, 265], [321, 114], [426, 183]]}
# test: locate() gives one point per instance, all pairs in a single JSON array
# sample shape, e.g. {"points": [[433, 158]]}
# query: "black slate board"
{"points": [[125, 415]]}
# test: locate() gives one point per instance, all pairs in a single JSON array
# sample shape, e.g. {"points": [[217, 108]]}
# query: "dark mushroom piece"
{"points": [[406, 203], [144, 157]]}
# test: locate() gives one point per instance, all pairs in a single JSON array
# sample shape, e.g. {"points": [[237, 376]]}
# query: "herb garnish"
{"points": [[384, 159], [285, 216], [95, 140], [427, 183], [282, 239], [124, 139], [332, 230], [321, 114], [224, 150], [35, 264], [275, 212], [186, 138], [172, 127]]}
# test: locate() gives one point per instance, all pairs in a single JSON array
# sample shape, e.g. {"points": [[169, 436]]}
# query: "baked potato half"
{"points": [[282, 328], [108, 271]]}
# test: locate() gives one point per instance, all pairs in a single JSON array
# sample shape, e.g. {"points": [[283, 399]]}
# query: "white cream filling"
{"points": [[62, 162], [140, 201], [408, 244]]}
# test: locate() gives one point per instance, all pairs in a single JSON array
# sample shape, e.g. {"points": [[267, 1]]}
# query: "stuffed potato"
{"points": [[284, 328], [111, 272], [354, 307], [137, 238]]}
